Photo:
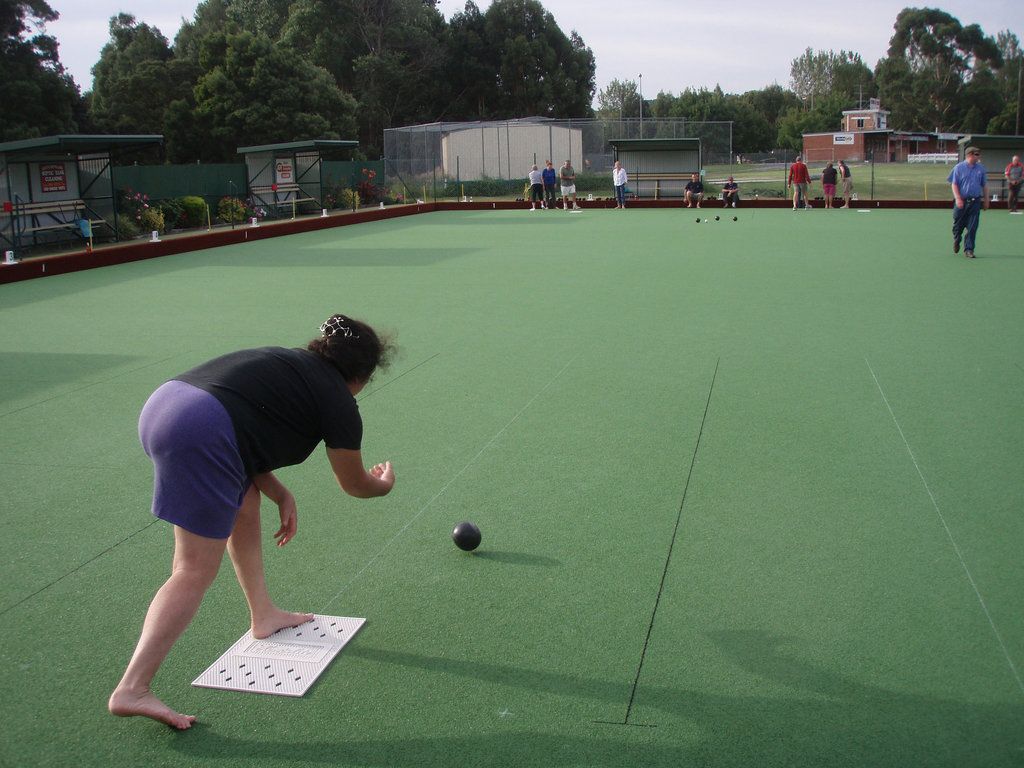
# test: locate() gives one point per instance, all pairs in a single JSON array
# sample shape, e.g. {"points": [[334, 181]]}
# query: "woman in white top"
{"points": [[619, 178]]}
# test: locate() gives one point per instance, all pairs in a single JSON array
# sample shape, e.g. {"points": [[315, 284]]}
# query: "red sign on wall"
{"points": [[52, 177], [284, 171]]}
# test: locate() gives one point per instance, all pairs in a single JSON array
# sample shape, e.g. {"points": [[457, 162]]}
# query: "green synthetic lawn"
{"points": [[750, 493]]}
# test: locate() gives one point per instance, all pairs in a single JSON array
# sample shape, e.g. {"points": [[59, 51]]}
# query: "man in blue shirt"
{"points": [[970, 191]]}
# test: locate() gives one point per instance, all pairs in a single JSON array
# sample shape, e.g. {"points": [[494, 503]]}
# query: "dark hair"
{"points": [[353, 347]]}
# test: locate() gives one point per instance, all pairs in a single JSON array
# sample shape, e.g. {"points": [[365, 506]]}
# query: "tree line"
{"points": [[248, 72], [938, 75]]}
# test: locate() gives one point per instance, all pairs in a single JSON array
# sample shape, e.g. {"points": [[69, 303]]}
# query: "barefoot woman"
{"points": [[215, 435]]}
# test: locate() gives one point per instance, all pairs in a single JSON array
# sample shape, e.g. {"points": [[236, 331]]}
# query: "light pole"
{"points": [[1016, 124], [640, 88]]}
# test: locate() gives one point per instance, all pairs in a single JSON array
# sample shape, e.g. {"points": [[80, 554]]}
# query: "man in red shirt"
{"points": [[799, 180], [1014, 174]]}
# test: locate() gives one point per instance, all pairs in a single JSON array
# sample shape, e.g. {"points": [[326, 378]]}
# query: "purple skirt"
{"points": [[199, 482]]}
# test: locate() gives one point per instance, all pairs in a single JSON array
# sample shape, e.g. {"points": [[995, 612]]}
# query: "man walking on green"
{"points": [[970, 194]]}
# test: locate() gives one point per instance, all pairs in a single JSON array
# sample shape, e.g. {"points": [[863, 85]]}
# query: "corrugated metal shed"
{"points": [[658, 168]]}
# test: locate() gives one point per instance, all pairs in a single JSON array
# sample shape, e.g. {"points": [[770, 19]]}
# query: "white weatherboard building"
{"points": [[507, 150]]}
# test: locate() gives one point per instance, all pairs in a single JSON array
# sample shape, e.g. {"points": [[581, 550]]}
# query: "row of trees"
{"points": [[938, 76], [246, 72]]}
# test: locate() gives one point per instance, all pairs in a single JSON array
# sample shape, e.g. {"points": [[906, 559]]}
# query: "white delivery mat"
{"points": [[287, 663]]}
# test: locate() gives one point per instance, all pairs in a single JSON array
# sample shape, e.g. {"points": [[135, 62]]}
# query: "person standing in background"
{"points": [[619, 179], [567, 176], [1014, 173], [844, 174], [550, 177], [536, 188], [829, 176], [799, 181]]}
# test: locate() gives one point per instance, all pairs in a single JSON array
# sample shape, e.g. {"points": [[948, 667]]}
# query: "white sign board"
{"points": [[284, 170]]}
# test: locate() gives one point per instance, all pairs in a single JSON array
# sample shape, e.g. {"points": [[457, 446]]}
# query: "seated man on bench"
{"points": [[694, 192], [730, 193]]}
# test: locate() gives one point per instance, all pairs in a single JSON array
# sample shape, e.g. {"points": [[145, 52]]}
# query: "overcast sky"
{"points": [[666, 45]]}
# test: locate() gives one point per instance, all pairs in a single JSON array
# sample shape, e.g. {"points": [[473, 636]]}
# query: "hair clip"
{"points": [[338, 324]]}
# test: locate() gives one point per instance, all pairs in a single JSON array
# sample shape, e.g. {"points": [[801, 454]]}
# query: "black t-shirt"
{"points": [[829, 175], [694, 186], [282, 402]]}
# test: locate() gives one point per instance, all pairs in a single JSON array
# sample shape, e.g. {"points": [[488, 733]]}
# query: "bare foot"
{"points": [[125, 703], [267, 625]]}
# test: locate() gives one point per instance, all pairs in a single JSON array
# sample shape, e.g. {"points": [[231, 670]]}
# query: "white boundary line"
{"points": [[949, 534], [447, 485]]}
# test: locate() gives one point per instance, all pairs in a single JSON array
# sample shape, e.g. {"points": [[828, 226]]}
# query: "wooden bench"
{"points": [[50, 215], [658, 178], [280, 190], [269, 195], [663, 176]]}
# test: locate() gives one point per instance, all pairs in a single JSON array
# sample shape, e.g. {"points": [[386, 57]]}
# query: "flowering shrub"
{"points": [[136, 208], [231, 210], [251, 209], [348, 198], [342, 197], [152, 220], [133, 205], [368, 192]]}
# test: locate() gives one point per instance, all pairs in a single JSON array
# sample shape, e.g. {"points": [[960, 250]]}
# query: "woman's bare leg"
{"points": [[196, 562], [245, 547]]}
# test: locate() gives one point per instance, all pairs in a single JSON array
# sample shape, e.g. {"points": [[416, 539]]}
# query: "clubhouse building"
{"points": [[866, 136]]}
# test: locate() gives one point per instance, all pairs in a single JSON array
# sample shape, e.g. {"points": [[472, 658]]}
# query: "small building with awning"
{"points": [[281, 177], [658, 168], [59, 186]]}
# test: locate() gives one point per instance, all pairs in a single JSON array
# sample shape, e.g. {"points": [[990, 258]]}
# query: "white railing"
{"points": [[934, 157]]}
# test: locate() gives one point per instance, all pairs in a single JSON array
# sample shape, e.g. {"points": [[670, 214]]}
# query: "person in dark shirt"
{"points": [[215, 434], [550, 177], [730, 193], [693, 192], [829, 177]]}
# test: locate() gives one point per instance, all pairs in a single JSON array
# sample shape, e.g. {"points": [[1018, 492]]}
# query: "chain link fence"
{"points": [[493, 159]]}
